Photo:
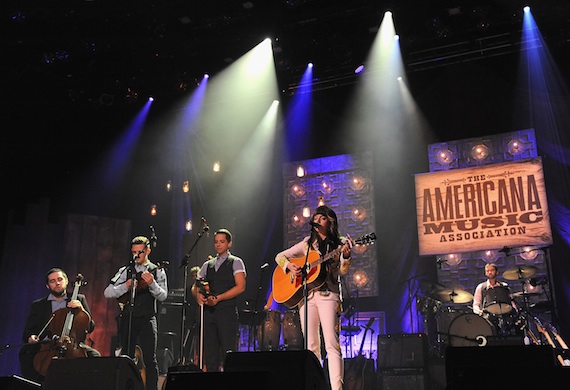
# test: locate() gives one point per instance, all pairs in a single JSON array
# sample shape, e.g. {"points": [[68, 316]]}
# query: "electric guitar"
{"points": [[287, 288]]}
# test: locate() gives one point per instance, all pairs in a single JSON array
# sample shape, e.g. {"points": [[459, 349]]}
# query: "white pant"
{"points": [[325, 310]]}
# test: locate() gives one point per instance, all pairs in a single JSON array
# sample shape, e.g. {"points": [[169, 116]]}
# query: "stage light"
{"points": [[168, 186], [359, 69], [358, 213], [489, 256], [321, 201], [453, 259], [529, 253], [300, 171], [360, 278], [306, 212], [150, 99], [297, 221], [185, 186], [297, 190], [357, 183], [526, 8], [445, 157], [479, 152], [326, 186], [153, 210], [310, 65], [188, 225], [396, 37], [515, 147], [216, 167]]}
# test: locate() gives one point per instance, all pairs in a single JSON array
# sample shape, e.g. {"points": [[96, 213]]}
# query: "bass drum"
{"points": [[269, 332], [470, 330]]}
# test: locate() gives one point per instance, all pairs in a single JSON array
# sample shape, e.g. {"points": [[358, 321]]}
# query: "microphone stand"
{"points": [[253, 323], [304, 275], [132, 270], [184, 263]]}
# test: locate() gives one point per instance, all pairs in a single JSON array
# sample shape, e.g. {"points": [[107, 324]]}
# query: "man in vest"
{"points": [[220, 280]]}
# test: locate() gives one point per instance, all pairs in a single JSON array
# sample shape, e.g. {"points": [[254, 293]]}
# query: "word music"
{"points": [[482, 209]]}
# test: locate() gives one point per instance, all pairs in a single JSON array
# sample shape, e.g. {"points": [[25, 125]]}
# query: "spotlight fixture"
{"points": [[321, 201], [479, 152], [301, 171], [186, 186], [515, 147], [188, 225], [153, 210]]}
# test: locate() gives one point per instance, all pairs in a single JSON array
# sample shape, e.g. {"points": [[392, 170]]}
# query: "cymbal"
{"points": [[520, 272], [528, 294], [430, 287], [455, 296]]}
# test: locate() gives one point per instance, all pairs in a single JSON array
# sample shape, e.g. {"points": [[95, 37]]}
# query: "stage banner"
{"points": [[489, 207]]}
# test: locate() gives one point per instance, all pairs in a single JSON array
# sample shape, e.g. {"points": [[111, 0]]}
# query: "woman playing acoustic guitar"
{"points": [[324, 302]]}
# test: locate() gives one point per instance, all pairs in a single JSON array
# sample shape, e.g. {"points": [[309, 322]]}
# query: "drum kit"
{"points": [[449, 321]]}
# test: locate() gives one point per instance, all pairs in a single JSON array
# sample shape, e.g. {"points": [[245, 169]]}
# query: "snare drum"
{"points": [[470, 330], [269, 331], [498, 300]]}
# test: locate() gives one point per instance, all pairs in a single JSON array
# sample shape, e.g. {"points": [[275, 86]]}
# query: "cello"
{"points": [[70, 325]]}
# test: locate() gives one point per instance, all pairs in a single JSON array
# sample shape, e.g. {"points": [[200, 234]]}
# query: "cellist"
{"points": [[40, 318]]}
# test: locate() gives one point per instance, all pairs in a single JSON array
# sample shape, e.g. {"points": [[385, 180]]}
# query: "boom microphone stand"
{"points": [[184, 263]]}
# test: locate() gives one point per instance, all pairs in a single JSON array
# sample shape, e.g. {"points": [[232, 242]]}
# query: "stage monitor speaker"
{"points": [[16, 382], [404, 350], [287, 369], [110, 373], [511, 366]]}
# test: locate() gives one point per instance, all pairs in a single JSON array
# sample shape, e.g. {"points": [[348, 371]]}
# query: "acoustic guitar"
{"points": [[288, 289], [355, 372], [139, 363]]}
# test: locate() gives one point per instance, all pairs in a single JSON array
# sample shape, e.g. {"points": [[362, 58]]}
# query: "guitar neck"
{"points": [[326, 257]]}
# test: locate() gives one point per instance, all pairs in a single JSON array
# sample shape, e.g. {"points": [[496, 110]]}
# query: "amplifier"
{"points": [[404, 350]]}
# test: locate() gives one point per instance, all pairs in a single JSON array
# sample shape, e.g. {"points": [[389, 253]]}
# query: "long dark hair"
{"points": [[332, 232]]}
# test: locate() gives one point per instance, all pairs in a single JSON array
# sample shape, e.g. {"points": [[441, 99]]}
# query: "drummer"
{"points": [[481, 291]]}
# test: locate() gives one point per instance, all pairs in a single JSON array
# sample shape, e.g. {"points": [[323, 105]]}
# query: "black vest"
{"points": [[221, 280], [145, 304]]}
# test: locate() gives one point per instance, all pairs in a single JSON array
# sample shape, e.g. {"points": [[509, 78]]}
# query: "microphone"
{"points": [[137, 255], [153, 237], [264, 266], [205, 228], [314, 224]]}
